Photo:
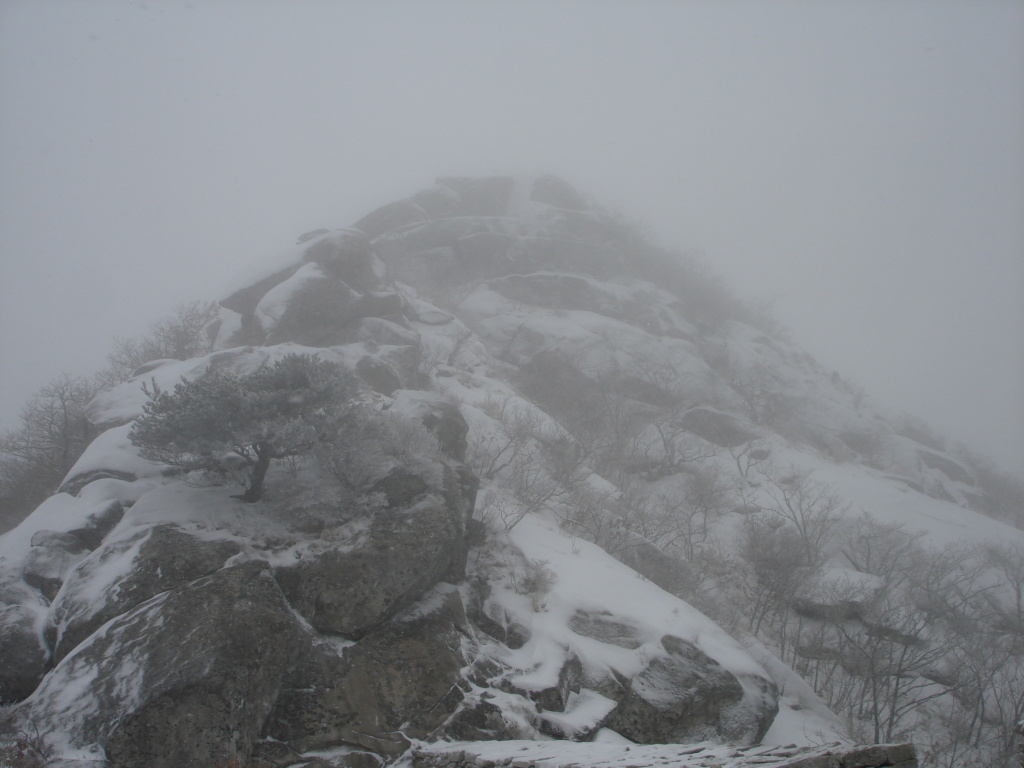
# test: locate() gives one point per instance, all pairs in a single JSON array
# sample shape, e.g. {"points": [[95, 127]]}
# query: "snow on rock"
{"points": [[110, 455], [274, 304], [395, 684], [348, 590], [226, 329], [128, 570], [24, 660], [384, 621], [35, 558], [803, 717], [347, 254], [611, 753], [670, 672], [60, 513], [602, 349], [186, 678]]}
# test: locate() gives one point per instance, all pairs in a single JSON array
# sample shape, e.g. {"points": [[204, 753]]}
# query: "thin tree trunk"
{"points": [[255, 490]]}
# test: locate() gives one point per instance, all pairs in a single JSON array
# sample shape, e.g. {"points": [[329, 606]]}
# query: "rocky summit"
{"points": [[578, 495]]}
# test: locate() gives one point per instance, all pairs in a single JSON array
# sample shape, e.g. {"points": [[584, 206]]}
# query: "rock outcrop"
{"points": [[548, 755], [186, 678], [350, 589], [509, 341], [126, 571]]}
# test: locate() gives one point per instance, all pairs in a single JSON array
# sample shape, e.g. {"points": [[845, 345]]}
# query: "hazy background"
{"points": [[859, 162]]}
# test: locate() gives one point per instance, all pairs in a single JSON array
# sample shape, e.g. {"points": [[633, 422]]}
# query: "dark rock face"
{"points": [[604, 628], [315, 312], [479, 720], [348, 591], [399, 681], [52, 555], [154, 561], [346, 255], [400, 487], [380, 304], [679, 697], [194, 693], [552, 378], [319, 300], [102, 521], [555, 698], [23, 660]]}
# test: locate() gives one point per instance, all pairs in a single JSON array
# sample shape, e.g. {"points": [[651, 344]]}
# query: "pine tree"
{"points": [[282, 410]]}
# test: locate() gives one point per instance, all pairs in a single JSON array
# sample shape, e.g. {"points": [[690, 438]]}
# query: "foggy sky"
{"points": [[859, 162]]}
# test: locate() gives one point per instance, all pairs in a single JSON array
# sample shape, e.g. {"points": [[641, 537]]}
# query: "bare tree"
{"points": [[179, 337], [532, 459], [813, 508], [881, 549], [685, 519], [775, 566], [893, 656], [761, 391], [749, 456], [53, 434]]}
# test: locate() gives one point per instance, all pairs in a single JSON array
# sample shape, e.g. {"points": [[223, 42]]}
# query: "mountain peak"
{"points": [[574, 462]]}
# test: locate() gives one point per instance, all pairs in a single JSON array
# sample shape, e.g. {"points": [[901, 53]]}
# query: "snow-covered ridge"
{"points": [[575, 464]]}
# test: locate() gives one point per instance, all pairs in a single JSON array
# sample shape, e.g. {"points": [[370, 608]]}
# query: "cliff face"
{"points": [[603, 425]]}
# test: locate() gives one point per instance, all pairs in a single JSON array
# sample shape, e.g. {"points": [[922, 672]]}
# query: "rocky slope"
{"points": [[518, 576]]}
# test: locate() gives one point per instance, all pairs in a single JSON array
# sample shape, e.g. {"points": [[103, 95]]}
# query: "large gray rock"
{"points": [[688, 696], [23, 659], [605, 629], [244, 300], [354, 587], [316, 312], [187, 678], [347, 255], [400, 681], [126, 572]]}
